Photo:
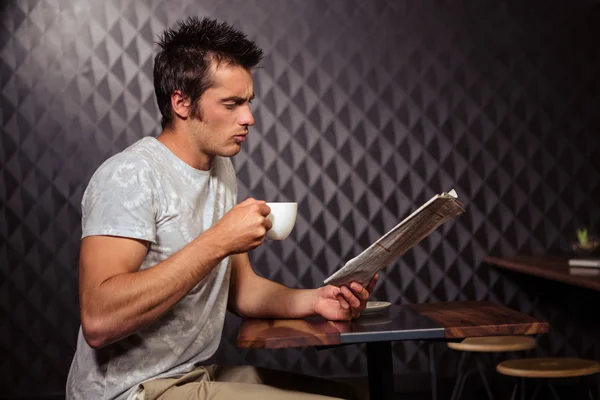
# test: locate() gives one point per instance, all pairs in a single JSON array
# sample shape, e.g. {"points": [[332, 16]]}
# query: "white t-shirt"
{"points": [[146, 192]]}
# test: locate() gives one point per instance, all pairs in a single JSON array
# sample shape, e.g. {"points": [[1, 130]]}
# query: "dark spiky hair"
{"points": [[186, 54]]}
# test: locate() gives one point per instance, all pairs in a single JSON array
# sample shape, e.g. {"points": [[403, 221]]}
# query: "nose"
{"points": [[246, 117]]}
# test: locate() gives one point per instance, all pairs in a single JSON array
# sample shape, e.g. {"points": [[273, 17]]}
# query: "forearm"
{"points": [[125, 303], [262, 298]]}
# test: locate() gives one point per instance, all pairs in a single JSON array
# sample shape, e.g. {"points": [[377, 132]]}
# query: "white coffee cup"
{"points": [[283, 218]]}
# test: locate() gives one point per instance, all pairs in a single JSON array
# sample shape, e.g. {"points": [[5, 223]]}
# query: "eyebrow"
{"points": [[238, 99]]}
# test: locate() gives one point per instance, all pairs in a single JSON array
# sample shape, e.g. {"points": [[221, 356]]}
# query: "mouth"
{"points": [[241, 137]]}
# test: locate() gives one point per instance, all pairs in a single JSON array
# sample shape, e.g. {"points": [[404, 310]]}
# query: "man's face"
{"points": [[222, 117]]}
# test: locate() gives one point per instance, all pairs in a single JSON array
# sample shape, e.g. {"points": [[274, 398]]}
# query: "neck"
{"points": [[183, 146]]}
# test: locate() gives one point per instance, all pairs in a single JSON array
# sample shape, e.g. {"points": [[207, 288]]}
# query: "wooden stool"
{"points": [[493, 344], [548, 368], [490, 344]]}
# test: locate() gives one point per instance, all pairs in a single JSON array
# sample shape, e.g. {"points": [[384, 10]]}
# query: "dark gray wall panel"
{"points": [[364, 110]]}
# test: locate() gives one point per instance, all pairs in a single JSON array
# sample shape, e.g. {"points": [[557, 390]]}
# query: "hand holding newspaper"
{"points": [[404, 236]]}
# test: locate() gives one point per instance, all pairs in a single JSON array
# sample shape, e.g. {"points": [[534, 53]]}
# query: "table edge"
{"points": [[513, 265], [534, 328], [392, 336], [324, 339]]}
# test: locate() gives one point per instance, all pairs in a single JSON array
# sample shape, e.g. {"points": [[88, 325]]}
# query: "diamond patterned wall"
{"points": [[364, 110]]}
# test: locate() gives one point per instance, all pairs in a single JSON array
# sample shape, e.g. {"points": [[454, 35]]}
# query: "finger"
{"points": [[359, 291], [350, 297], [343, 303], [373, 282], [258, 243], [262, 208], [355, 313], [268, 224], [247, 202], [348, 314]]}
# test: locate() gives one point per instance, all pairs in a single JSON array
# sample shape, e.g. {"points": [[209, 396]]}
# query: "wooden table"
{"points": [[427, 321], [549, 267]]}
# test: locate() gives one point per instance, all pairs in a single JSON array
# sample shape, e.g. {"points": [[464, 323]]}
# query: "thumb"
{"points": [[333, 291]]}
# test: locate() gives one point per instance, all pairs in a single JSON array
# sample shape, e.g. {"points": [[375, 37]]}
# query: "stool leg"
{"points": [[461, 375], [486, 385], [467, 371], [462, 385], [535, 392], [553, 391], [590, 394], [522, 388], [514, 393]]}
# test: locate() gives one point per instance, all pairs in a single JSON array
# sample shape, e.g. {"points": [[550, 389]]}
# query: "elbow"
{"points": [[95, 332], [237, 309], [239, 313]]}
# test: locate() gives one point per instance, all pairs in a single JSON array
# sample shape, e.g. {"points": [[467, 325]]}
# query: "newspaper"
{"points": [[404, 236]]}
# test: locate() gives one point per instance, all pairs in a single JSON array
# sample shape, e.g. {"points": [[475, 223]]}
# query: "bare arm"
{"points": [[252, 296], [117, 299]]}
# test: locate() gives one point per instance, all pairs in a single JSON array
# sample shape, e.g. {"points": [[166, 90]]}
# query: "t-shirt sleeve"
{"points": [[120, 199]]}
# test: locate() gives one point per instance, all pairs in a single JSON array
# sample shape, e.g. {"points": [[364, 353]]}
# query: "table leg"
{"points": [[381, 370], [433, 372]]}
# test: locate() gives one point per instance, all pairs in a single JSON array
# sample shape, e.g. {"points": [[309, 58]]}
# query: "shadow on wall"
{"points": [[5, 6]]}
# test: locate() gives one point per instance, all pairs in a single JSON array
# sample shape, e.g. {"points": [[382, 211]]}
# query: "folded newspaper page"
{"points": [[404, 236]]}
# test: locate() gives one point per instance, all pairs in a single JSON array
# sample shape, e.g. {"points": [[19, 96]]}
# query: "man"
{"points": [[164, 247]]}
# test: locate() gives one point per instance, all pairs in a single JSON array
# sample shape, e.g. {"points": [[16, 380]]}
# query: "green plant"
{"points": [[582, 236]]}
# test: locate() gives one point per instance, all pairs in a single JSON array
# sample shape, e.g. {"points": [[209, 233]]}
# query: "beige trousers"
{"points": [[246, 382]]}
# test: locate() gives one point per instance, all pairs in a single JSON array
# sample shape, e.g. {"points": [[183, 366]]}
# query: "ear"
{"points": [[180, 104]]}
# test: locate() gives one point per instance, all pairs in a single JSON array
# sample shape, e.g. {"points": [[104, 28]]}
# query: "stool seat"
{"points": [[495, 344], [547, 367]]}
